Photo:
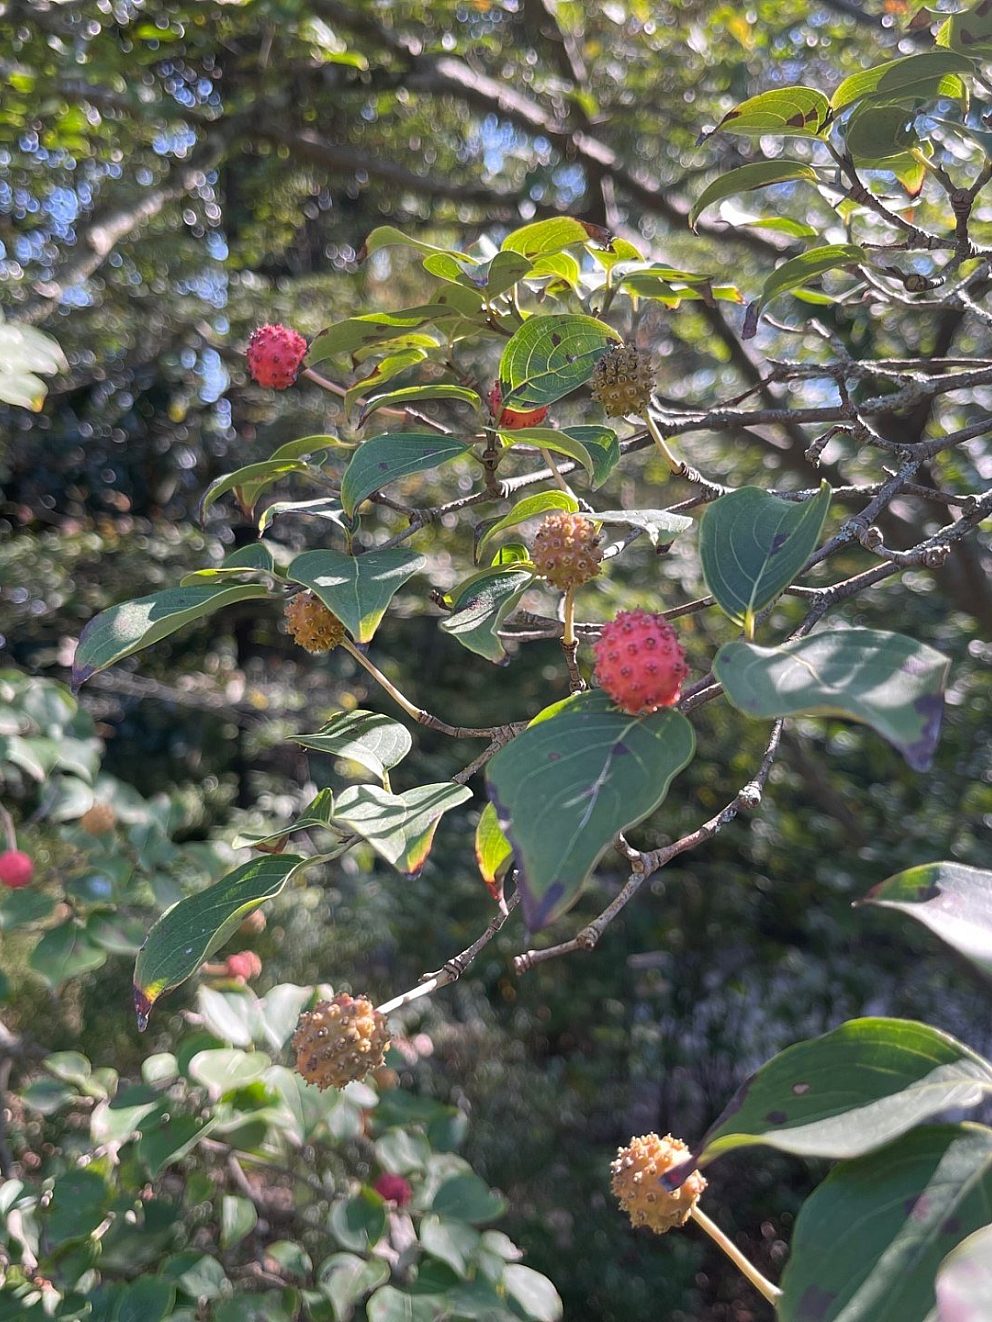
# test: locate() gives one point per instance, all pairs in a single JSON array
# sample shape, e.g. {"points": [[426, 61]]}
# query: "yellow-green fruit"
{"points": [[636, 1182], [340, 1041], [567, 551], [622, 381], [311, 624]]}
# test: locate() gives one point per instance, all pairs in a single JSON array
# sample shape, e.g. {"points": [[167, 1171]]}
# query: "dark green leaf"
{"points": [[358, 1223], [954, 901], [323, 507], [373, 328], [550, 356], [868, 1242], [357, 589], [21, 908], [169, 1142], [761, 174], [753, 545], [193, 929], [65, 952], [885, 680], [565, 786], [393, 455], [505, 270], [399, 827], [413, 394], [249, 482], [482, 604], [149, 1299], [786, 111], [877, 133], [911, 77], [799, 271], [467, 1198], [851, 1090], [134, 625], [374, 741], [78, 1205]]}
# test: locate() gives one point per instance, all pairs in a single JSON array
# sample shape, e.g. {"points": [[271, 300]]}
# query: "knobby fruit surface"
{"points": [[622, 381], [340, 1041], [311, 624], [636, 1181], [640, 662], [275, 355], [567, 551]]}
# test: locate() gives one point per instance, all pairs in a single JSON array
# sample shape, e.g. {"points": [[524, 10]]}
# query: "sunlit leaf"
{"points": [[392, 455], [954, 901], [356, 588], [399, 827], [551, 356]]}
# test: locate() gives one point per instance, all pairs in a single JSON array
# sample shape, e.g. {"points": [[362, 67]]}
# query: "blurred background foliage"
{"points": [[173, 174]]}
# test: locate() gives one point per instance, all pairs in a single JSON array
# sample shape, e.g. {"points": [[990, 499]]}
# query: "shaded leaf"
{"points": [[128, 628], [528, 508], [373, 328], [753, 545], [564, 787], [375, 741], [66, 952], [323, 507], [388, 236], [193, 929], [761, 174], [482, 604], [413, 394], [399, 827], [885, 680], [357, 589], [911, 77], [550, 438], [467, 1198], [249, 482], [954, 901], [799, 271], [550, 356], [392, 455], [868, 1242]]}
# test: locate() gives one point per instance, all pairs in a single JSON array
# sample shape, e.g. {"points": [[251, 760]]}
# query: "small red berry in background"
{"points": [[275, 355], [244, 966], [640, 662], [16, 869], [394, 1189], [513, 419]]}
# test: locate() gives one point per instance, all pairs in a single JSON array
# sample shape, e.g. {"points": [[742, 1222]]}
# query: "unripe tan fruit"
{"points": [[622, 381], [636, 1182], [340, 1041], [566, 550], [311, 624]]}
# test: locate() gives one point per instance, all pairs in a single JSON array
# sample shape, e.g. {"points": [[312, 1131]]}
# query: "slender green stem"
{"points": [[568, 619], [747, 1268], [400, 699], [549, 459], [674, 466]]}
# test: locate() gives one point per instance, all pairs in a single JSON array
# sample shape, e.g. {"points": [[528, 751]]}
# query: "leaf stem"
{"points": [[549, 459], [747, 1268], [674, 465]]}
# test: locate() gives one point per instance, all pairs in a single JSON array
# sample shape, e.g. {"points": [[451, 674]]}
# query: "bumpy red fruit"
{"points": [[394, 1189], [340, 1041], [275, 354], [640, 662], [566, 550], [311, 624], [16, 869], [244, 965], [622, 381], [636, 1182], [513, 419]]}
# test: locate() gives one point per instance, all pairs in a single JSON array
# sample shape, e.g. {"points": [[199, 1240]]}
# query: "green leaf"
{"points": [[753, 545], [954, 901], [661, 526], [388, 236], [544, 237], [117, 933], [358, 1223], [452, 1242], [77, 1206], [505, 270], [885, 680], [868, 1242], [193, 929], [148, 1299], [492, 852], [534, 1293], [224, 1069], [850, 1091], [26, 355], [412, 394], [323, 507], [65, 952], [482, 604], [357, 589], [551, 356], [373, 328], [316, 815], [550, 438], [876, 133], [249, 482], [374, 741], [909, 78], [393, 455], [969, 31], [467, 1198], [346, 1279], [128, 628], [964, 1281], [603, 447], [746, 177], [528, 508], [786, 111], [21, 908], [399, 827], [392, 1305], [799, 271], [238, 1218], [565, 786]]}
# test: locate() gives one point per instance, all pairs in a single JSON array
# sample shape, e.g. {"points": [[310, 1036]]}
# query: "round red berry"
{"points": [[394, 1189], [16, 869], [275, 355], [640, 662], [513, 419]]}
